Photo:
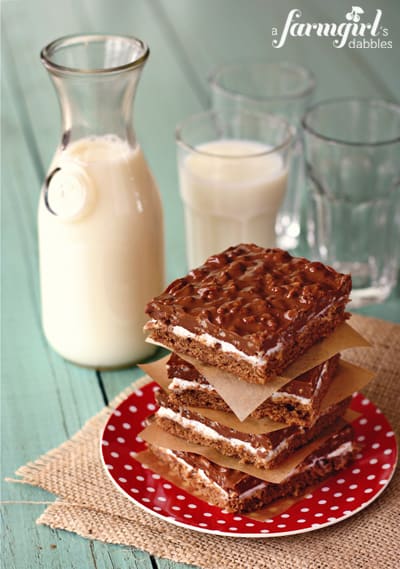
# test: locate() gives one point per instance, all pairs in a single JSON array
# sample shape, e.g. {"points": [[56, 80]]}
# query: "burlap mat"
{"points": [[89, 504]]}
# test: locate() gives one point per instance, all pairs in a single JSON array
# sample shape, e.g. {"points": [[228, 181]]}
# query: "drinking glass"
{"points": [[233, 172], [279, 88], [353, 164]]}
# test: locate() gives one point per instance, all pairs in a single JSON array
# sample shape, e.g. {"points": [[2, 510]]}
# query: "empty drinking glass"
{"points": [[353, 164]]}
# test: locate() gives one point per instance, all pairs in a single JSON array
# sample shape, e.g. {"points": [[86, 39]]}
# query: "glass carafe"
{"points": [[100, 216]]}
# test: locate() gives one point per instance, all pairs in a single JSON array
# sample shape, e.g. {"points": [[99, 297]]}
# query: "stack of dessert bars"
{"points": [[251, 312]]}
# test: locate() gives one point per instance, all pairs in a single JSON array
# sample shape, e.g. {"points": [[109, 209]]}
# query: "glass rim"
{"points": [[50, 49], [286, 65], [291, 131], [370, 102]]}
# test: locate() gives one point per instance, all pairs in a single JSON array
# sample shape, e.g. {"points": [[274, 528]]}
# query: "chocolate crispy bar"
{"points": [[249, 311], [296, 403], [264, 450], [240, 492]]}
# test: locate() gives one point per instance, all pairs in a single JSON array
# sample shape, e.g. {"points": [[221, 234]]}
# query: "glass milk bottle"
{"points": [[100, 217]]}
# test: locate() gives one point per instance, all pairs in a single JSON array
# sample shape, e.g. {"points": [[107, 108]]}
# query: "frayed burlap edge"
{"points": [[89, 505]]}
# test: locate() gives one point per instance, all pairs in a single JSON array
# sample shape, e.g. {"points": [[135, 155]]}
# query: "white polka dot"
{"points": [[337, 494], [281, 526], [128, 467], [387, 451], [371, 477], [318, 515], [221, 522], [361, 438], [378, 428], [111, 427], [114, 454], [315, 525], [139, 440], [122, 479], [350, 499], [264, 531], [268, 521], [375, 446], [363, 421], [347, 512], [140, 478], [237, 518], [134, 490], [151, 407], [232, 529], [162, 498], [250, 525], [203, 524], [109, 466], [353, 486], [147, 500], [382, 482], [321, 502], [308, 496], [301, 521], [132, 409], [207, 514], [378, 411], [105, 443], [192, 506], [150, 489], [126, 426], [386, 466], [188, 516], [139, 392], [304, 510], [157, 508], [365, 402], [390, 434], [331, 519], [334, 508], [341, 481], [373, 461], [180, 497], [156, 388], [155, 476], [356, 471], [325, 489], [167, 486], [176, 508], [117, 413], [285, 515], [121, 440], [368, 490]]}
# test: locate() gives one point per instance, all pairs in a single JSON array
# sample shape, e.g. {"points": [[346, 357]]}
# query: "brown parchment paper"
{"points": [[348, 379], [243, 398], [153, 434]]}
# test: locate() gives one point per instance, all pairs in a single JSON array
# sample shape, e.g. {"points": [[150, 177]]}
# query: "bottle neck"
{"points": [[97, 105]]}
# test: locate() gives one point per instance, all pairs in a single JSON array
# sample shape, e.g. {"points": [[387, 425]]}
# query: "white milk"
{"points": [[230, 198], [101, 257]]}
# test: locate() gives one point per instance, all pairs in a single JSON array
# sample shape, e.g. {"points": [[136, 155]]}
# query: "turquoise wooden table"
{"points": [[45, 399]]}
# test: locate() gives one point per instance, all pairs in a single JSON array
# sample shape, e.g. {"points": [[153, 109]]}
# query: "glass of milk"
{"points": [[281, 88], [233, 173], [100, 220]]}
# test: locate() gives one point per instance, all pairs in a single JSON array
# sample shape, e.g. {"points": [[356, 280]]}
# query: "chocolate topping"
{"points": [[250, 297]]}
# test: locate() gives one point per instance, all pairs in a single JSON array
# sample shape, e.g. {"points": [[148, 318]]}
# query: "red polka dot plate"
{"points": [[336, 499]]}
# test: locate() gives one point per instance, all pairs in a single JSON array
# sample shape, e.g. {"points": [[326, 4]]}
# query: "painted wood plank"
{"points": [[45, 400], [209, 34]]}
